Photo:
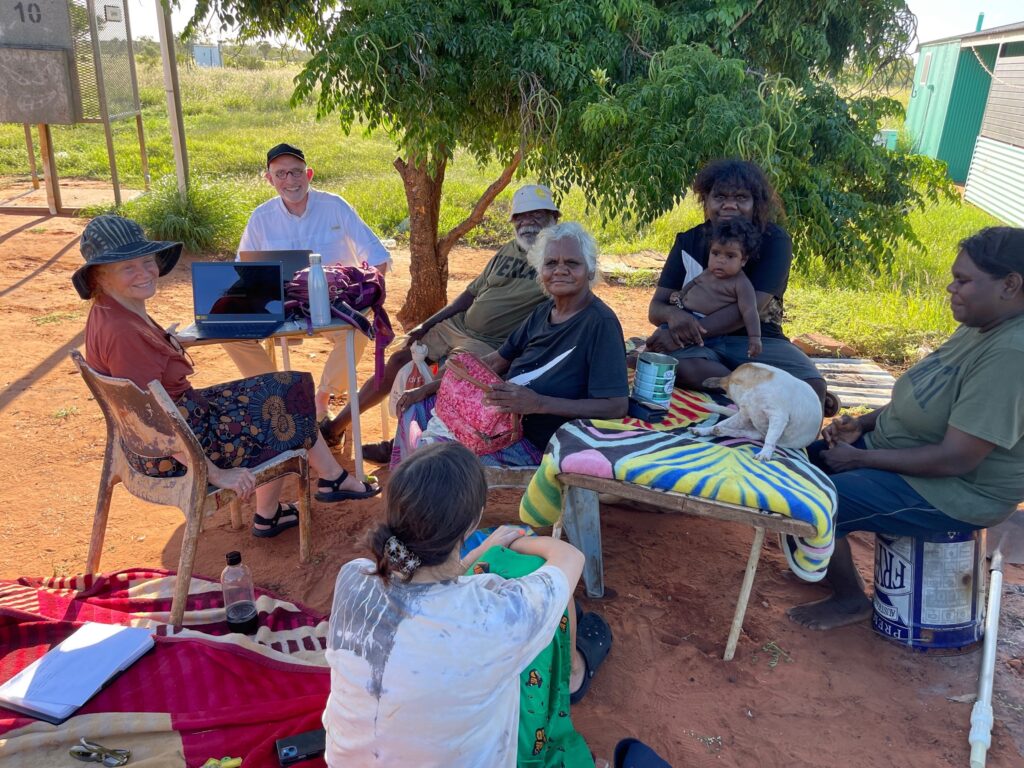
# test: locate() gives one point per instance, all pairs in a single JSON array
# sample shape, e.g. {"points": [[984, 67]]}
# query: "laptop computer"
{"points": [[233, 300], [290, 261]]}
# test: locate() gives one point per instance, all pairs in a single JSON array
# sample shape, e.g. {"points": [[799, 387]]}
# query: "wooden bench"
{"points": [[581, 518]]}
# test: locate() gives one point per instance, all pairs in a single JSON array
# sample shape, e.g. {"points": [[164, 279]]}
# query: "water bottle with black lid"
{"points": [[239, 597]]}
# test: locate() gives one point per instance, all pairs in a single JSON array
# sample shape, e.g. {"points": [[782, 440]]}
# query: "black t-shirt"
{"points": [[594, 367], [769, 273]]}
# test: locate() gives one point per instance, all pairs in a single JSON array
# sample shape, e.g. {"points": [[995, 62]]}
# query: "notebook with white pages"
{"points": [[54, 686]]}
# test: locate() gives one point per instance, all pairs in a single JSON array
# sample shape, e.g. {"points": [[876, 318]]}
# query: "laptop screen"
{"points": [[237, 292], [291, 261]]}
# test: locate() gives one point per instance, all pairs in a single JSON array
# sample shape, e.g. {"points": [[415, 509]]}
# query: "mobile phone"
{"points": [[304, 746], [646, 410]]}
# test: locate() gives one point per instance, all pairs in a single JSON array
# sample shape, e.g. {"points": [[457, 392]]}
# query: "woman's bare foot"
{"points": [[831, 612]]}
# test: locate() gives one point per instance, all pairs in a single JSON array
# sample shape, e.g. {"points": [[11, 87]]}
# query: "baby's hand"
{"points": [[754, 346], [673, 298]]}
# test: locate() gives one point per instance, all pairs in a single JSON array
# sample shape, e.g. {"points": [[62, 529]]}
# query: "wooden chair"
{"points": [[148, 423]]}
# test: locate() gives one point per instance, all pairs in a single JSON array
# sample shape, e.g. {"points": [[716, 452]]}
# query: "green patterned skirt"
{"points": [[547, 738]]}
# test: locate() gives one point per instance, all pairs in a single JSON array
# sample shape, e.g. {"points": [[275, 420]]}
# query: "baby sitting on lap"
{"points": [[733, 242]]}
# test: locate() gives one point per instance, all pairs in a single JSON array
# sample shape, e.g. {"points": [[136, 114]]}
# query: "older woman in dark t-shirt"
{"points": [[713, 345], [566, 361]]}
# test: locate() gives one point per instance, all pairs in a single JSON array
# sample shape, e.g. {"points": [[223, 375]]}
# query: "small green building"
{"points": [[951, 92]]}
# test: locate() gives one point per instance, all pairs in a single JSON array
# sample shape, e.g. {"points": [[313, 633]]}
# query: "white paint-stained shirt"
{"points": [[428, 674], [329, 226]]}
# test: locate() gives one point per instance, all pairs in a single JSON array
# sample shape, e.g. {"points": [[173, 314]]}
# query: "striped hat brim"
{"points": [[167, 254]]}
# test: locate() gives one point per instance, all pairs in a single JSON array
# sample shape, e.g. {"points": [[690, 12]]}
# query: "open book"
{"points": [[54, 686]]}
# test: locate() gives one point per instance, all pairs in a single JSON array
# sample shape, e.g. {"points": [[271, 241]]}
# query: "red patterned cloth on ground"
{"points": [[200, 693]]}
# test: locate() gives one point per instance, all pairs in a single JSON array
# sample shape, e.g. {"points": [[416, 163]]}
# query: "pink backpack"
{"points": [[460, 405]]}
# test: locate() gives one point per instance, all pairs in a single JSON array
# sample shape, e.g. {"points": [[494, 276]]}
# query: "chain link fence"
{"points": [[114, 52]]}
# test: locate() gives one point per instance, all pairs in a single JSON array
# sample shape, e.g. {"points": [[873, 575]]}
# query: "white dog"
{"points": [[774, 407]]}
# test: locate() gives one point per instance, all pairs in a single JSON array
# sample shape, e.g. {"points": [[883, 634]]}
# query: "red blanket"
{"points": [[208, 694]]}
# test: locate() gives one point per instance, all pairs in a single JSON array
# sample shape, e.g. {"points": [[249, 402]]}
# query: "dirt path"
{"points": [[791, 698]]}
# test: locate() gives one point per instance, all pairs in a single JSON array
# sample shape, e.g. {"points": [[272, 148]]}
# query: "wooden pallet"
{"points": [[856, 382]]}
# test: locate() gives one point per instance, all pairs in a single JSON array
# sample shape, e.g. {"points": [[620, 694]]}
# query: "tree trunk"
{"points": [[428, 269]]}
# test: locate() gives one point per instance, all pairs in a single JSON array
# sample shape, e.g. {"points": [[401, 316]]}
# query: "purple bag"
{"points": [[349, 290]]}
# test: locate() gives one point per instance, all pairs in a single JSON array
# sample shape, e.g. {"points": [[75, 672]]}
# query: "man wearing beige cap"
{"points": [[480, 318]]}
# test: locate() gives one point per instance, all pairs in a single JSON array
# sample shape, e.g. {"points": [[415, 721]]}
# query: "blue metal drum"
{"points": [[930, 592]]}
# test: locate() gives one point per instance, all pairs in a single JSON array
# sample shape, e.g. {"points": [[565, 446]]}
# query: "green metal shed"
{"points": [[950, 93]]}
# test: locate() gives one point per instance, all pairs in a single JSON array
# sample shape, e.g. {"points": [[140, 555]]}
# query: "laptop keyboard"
{"points": [[238, 330]]}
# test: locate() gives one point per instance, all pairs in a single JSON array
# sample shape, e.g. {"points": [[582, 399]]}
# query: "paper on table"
{"points": [[68, 675]]}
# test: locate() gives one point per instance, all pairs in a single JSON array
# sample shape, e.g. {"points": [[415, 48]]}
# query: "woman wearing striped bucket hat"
{"points": [[240, 424]]}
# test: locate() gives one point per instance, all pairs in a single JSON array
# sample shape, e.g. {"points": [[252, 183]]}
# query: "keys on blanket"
{"points": [[91, 752]]}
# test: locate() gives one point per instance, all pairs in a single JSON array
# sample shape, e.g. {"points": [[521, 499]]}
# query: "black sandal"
{"points": [[331, 490], [593, 641], [276, 524]]}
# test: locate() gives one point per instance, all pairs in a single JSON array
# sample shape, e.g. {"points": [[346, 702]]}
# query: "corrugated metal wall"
{"points": [[929, 99], [966, 107], [996, 181], [1004, 116]]}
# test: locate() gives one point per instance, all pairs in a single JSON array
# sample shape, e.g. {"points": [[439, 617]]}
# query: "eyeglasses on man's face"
{"points": [[295, 173]]}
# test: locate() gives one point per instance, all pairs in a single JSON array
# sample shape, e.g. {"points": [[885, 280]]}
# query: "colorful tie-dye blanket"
{"points": [[200, 693], [667, 457]]}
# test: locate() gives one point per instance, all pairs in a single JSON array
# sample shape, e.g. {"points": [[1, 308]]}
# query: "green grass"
{"points": [[232, 116], [56, 317], [897, 316]]}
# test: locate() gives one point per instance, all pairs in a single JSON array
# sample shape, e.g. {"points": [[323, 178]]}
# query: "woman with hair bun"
{"points": [[426, 661]]}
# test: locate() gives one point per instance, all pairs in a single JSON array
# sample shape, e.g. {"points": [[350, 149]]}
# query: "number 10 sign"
{"points": [[35, 23], [36, 82]]}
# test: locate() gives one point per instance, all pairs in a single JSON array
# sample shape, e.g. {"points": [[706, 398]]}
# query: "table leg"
{"points": [[269, 346], [741, 604], [353, 402], [581, 518], [286, 363]]}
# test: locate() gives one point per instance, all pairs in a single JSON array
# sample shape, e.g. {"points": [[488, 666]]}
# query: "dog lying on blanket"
{"points": [[774, 407]]}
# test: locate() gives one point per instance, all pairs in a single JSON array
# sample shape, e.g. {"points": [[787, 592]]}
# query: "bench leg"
{"points": [[581, 517], [741, 604]]}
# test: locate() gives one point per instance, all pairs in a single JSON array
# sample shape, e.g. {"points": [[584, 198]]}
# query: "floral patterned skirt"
{"points": [[244, 423]]}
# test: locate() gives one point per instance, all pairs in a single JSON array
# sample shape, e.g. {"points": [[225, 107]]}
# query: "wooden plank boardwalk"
{"points": [[857, 382]]}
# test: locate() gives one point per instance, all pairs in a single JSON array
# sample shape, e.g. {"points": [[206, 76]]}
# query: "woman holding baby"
{"points": [[947, 453], [712, 343]]}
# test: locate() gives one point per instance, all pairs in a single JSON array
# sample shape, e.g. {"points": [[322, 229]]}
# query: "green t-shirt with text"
{"points": [[975, 383], [504, 295]]}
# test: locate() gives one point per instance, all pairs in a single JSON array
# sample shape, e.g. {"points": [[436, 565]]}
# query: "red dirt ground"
{"points": [[790, 698]]}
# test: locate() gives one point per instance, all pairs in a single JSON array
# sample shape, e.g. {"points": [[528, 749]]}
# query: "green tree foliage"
{"points": [[626, 98]]}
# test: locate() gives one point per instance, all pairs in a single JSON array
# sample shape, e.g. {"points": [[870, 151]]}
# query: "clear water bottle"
{"points": [[319, 301], [239, 597]]}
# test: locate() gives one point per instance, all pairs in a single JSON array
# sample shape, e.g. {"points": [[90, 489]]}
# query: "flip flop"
{"points": [[276, 526], [593, 641], [334, 491]]}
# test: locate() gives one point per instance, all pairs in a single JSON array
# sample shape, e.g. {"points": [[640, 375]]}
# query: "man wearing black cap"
{"points": [[303, 218]]}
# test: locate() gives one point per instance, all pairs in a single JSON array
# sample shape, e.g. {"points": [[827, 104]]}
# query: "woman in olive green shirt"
{"points": [[947, 453]]}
